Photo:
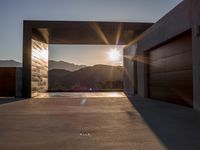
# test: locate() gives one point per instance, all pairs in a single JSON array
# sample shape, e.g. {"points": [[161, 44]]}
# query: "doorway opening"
{"points": [[85, 68], [39, 35]]}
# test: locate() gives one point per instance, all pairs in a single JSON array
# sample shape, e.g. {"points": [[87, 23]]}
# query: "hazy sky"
{"points": [[13, 12], [85, 54]]}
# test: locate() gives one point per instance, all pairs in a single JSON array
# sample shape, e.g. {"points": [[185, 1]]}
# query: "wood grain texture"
{"points": [[170, 72]]}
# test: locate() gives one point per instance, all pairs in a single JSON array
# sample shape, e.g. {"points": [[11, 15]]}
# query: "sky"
{"points": [[13, 12], [88, 55]]}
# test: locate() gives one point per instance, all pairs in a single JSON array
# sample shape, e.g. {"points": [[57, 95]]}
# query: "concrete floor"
{"points": [[80, 94], [97, 123]]}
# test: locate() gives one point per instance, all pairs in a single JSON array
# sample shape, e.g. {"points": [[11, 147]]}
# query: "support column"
{"points": [[39, 65], [26, 75], [196, 66], [35, 61], [142, 74], [196, 53], [129, 53]]}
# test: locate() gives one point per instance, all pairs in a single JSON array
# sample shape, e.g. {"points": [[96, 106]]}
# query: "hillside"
{"points": [[52, 65], [10, 63], [64, 65], [96, 77], [68, 76]]}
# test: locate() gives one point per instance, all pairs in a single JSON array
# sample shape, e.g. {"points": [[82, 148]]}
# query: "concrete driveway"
{"points": [[97, 123]]}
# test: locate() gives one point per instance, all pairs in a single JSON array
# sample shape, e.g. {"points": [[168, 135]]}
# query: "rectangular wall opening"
{"points": [[85, 68]]}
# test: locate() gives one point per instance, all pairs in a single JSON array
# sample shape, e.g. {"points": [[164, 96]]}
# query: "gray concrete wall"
{"points": [[196, 52], [39, 68], [26, 72], [18, 90], [141, 74], [172, 24], [129, 53], [182, 18]]}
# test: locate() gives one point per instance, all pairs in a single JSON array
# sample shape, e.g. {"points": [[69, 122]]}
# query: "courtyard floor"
{"points": [[97, 121]]}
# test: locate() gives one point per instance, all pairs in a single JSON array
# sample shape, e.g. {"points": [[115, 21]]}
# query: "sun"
{"points": [[114, 55]]}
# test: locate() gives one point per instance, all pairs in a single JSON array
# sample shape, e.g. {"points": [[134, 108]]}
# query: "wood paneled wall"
{"points": [[7, 81], [170, 71]]}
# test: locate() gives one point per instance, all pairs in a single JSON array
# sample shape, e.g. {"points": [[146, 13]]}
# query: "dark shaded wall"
{"points": [[183, 18], [171, 25], [129, 70], [10, 82], [39, 68], [196, 52], [18, 90]]}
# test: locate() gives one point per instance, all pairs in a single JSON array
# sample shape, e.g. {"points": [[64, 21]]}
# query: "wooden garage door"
{"points": [[7, 81], [170, 71]]}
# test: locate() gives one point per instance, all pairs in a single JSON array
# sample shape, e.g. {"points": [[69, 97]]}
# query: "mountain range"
{"points": [[10, 63], [68, 76], [64, 65], [96, 77], [52, 65]]}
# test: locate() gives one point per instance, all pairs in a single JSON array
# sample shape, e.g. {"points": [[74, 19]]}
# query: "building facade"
{"points": [[166, 60]]}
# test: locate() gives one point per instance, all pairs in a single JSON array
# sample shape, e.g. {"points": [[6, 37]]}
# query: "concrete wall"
{"points": [[141, 74], [129, 54], [172, 24], [39, 68], [18, 89], [184, 17], [196, 52]]}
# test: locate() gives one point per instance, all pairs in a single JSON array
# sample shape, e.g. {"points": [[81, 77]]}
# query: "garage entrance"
{"points": [[170, 71]]}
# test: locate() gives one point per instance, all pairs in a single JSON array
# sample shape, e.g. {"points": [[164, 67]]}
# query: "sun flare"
{"points": [[114, 55]]}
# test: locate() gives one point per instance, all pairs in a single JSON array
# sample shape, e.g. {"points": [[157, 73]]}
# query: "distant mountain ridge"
{"points": [[68, 76], [10, 63], [64, 65], [52, 65], [96, 77]]}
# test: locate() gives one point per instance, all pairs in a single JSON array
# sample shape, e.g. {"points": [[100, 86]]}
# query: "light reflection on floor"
{"points": [[80, 94]]}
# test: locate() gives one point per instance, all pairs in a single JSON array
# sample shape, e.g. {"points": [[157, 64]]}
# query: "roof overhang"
{"points": [[86, 32]]}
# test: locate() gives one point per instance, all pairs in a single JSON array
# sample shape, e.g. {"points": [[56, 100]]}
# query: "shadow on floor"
{"points": [[5, 100], [178, 127]]}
